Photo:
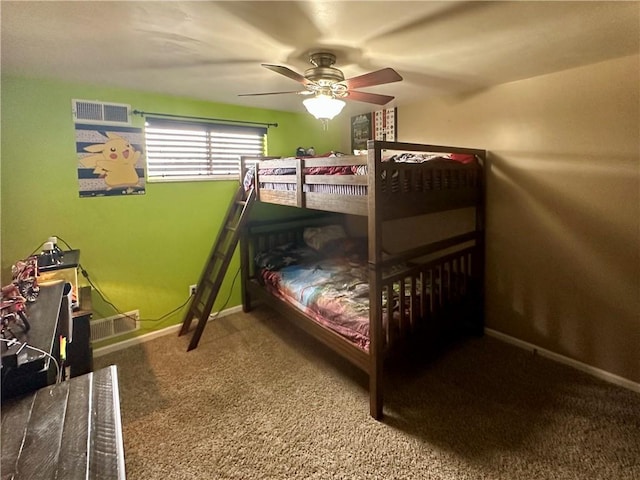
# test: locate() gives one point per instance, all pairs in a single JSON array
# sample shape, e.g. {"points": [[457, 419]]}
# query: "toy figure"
{"points": [[13, 308], [25, 277]]}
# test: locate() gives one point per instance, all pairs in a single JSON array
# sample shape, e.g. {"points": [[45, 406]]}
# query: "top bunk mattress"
{"points": [[272, 168], [405, 183]]}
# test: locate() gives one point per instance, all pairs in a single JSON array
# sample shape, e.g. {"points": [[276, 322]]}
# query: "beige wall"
{"points": [[563, 206]]}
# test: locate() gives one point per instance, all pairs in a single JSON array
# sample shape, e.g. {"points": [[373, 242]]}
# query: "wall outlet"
{"points": [[192, 290]]}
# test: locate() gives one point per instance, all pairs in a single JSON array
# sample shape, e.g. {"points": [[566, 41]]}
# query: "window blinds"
{"points": [[181, 150]]}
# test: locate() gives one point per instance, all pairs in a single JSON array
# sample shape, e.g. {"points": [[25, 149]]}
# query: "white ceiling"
{"points": [[213, 50]]}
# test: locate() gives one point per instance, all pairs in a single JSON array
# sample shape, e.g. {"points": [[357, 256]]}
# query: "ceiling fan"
{"points": [[327, 83]]}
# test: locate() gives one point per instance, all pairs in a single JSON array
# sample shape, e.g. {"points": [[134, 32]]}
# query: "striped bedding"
{"points": [[351, 170]]}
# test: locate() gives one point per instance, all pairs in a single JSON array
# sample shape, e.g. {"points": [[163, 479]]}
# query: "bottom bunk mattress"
{"points": [[329, 283], [332, 291]]}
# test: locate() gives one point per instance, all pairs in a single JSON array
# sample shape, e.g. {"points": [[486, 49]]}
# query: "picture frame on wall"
{"points": [[378, 125], [385, 124], [361, 131], [110, 160]]}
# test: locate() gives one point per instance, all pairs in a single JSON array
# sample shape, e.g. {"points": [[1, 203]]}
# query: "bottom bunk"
{"points": [[318, 276]]}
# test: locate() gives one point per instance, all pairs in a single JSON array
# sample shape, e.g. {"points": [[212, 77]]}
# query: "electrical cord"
{"points": [[120, 312], [104, 298], [15, 341], [228, 296], [188, 299], [85, 274], [37, 249], [175, 310]]}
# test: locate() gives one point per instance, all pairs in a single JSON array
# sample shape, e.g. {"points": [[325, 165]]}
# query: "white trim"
{"points": [[199, 178], [156, 334], [596, 372]]}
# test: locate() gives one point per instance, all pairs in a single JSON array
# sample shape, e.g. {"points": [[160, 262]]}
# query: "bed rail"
{"points": [[419, 295], [403, 189]]}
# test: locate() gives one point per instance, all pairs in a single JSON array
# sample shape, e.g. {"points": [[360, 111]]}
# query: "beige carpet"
{"points": [[259, 400]]}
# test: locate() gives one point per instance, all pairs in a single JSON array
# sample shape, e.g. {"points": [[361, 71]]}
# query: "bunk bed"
{"points": [[389, 298]]}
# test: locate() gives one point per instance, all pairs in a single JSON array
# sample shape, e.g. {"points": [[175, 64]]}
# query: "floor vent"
{"points": [[115, 325], [100, 113]]}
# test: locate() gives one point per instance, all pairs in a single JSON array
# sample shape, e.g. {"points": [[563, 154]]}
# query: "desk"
{"points": [[71, 430], [25, 369]]}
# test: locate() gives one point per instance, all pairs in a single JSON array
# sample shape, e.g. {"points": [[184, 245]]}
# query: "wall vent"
{"points": [[101, 113], [115, 325]]}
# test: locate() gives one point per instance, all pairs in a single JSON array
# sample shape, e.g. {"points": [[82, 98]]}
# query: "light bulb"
{"points": [[323, 107]]}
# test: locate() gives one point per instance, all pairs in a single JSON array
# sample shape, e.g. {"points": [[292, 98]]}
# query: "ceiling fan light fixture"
{"points": [[323, 107]]}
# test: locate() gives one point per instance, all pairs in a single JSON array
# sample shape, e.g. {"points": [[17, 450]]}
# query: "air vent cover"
{"points": [[101, 113], [116, 325]]}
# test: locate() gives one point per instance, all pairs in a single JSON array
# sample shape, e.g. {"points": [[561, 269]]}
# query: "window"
{"points": [[181, 150]]}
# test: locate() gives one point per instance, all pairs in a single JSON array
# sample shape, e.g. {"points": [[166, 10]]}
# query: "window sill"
{"points": [[192, 179]]}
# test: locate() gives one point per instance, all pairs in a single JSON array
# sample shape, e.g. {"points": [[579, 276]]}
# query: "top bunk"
{"points": [[393, 180]]}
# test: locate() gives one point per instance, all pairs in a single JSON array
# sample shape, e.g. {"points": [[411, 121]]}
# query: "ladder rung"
{"points": [[230, 228]]}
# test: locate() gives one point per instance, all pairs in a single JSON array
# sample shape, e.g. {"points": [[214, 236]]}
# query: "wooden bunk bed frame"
{"points": [[444, 279]]}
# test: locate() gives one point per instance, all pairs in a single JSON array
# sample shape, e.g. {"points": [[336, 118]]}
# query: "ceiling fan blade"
{"points": [[287, 72], [369, 97], [386, 75], [303, 92]]}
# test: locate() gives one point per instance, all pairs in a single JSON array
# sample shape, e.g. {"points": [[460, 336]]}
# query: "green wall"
{"points": [[142, 251]]}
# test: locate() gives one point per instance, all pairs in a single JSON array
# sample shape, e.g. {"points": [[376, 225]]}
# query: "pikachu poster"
{"points": [[110, 160]]}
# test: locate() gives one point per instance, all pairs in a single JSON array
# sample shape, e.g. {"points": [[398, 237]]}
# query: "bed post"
{"points": [[244, 249], [376, 367], [480, 245], [300, 198], [244, 269]]}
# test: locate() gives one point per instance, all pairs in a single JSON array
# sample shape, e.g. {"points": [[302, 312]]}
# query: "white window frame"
{"points": [[186, 151]]}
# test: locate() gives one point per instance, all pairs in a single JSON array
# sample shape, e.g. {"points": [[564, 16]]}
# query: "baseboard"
{"points": [[173, 329], [596, 372]]}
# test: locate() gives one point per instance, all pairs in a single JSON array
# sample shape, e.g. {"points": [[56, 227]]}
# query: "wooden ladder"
{"points": [[217, 265]]}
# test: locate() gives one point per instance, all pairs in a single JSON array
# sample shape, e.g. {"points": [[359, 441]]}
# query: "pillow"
{"points": [[355, 249], [319, 238], [462, 158], [283, 256]]}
